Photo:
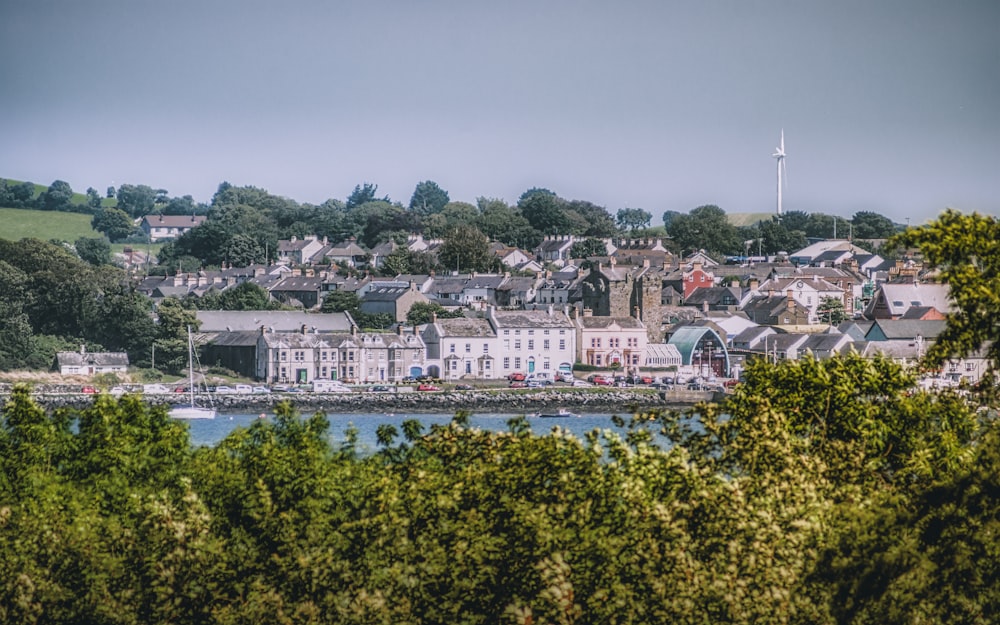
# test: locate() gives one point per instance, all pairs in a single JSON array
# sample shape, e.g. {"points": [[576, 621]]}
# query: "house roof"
{"points": [[173, 221], [299, 283], [531, 319], [99, 359], [901, 329], [276, 320], [899, 297], [385, 294], [465, 326], [627, 323]]}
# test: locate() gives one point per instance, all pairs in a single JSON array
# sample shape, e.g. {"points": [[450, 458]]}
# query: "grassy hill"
{"points": [[18, 223], [747, 219], [78, 198]]}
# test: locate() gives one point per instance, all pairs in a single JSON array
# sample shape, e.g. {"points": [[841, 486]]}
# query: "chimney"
{"points": [[263, 330], [635, 311], [434, 317], [791, 299], [550, 311], [305, 328], [588, 312], [754, 284], [704, 306], [83, 349]]}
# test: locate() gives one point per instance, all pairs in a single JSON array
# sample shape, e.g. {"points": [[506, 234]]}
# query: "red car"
{"points": [[89, 390], [427, 387], [600, 380], [517, 376], [518, 384]]}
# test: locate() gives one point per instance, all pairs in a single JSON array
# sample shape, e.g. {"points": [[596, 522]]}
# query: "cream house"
{"points": [[611, 341]]}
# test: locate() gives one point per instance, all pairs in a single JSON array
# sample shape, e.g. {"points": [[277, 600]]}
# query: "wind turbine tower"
{"points": [[779, 154]]}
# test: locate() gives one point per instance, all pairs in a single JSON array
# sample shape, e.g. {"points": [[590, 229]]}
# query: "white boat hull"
{"points": [[192, 412]]}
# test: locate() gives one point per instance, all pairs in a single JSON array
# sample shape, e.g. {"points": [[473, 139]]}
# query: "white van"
{"points": [[155, 389], [540, 377], [244, 389], [330, 386]]}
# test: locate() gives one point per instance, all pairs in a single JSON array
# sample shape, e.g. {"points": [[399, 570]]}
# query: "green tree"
{"points": [[595, 220], [428, 198], [587, 248], [96, 251], [340, 301], [707, 228], [466, 249], [502, 223], [113, 223], [870, 225], [421, 312], [246, 296], [171, 337], [136, 200], [966, 251], [58, 197], [831, 310], [545, 211], [242, 251], [364, 195], [93, 198], [633, 218], [396, 262]]}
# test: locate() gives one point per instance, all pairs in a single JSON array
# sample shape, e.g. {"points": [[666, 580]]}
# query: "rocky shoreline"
{"points": [[533, 400]]}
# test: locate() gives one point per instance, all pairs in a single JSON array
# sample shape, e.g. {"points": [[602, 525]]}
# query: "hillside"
{"points": [[748, 219], [18, 223]]}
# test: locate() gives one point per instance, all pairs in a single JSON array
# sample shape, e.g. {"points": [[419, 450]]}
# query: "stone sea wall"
{"points": [[624, 400]]}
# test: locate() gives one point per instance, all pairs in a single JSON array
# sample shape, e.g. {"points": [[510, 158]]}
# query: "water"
{"points": [[211, 432]]}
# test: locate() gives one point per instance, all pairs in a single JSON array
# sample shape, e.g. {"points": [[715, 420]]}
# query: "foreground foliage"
{"points": [[820, 496]]}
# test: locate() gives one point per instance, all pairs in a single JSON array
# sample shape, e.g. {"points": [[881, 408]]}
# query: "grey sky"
{"points": [[887, 105]]}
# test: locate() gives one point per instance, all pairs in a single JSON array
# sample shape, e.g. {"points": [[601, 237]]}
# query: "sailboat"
{"points": [[192, 410]]}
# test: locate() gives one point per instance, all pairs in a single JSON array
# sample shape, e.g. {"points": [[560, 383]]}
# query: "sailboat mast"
{"points": [[191, 366]]}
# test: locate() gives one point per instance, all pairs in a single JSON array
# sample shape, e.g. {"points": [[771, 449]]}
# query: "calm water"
{"points": [[210, 432]]}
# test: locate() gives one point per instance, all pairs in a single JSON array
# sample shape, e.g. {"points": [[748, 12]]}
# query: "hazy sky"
{"points": [[887, 105]]}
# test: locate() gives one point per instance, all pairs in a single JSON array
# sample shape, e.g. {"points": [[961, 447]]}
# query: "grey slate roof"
{"points": [[276, 320]]}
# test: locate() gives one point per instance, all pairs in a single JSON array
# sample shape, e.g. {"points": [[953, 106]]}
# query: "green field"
{"points": [[19, 223], [748, 219]]}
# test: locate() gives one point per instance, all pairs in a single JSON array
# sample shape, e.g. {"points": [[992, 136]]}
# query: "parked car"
{"points": [[516, 376], [243, 389], [565, 376], [89, 390], [427, 387], [518, 384], [582, 383], [280, 388], [379, 388], [409, 379], [261, 390], [154, 389], [463, 387], [543, 377], [224, 390], [600, 380]]}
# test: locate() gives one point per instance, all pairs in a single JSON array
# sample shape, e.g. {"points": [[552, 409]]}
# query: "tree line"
{"points": [[245, 223]]}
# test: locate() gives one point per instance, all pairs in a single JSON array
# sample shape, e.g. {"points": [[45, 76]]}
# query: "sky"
{"points": [[891, 106]]}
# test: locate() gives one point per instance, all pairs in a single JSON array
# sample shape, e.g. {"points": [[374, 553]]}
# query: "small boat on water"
{"points": [[192, 410], [559, 414]]}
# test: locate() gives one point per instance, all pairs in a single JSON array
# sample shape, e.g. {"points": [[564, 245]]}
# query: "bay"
{"points": [[210, 432]]}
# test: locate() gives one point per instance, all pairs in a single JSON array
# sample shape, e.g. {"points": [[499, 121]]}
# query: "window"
{"points": [[517, 363], [451, 348], [969, 366], [454, 365], [546, 332], [486, 348], [545, 365], [284, 355], [562, 344], [506, 363], [597, 360], [486, 364], [322, 354], [506, 345], [506, 332], [468, 348], [531, 333], [531, 344], [562, 332], [545, 344], [517, 344]]}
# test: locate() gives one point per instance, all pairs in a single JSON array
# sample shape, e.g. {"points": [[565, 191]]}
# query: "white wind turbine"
{"points": [[779, 154]]}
